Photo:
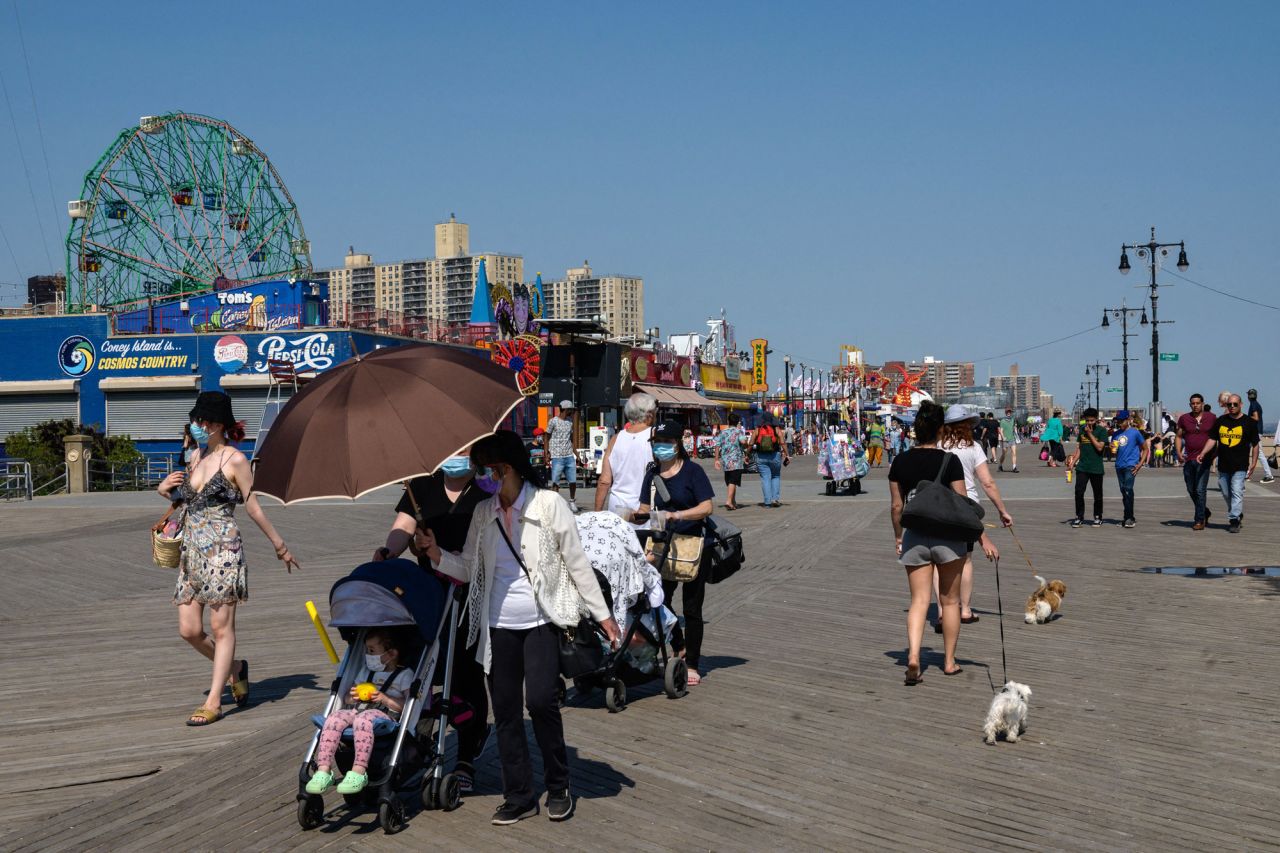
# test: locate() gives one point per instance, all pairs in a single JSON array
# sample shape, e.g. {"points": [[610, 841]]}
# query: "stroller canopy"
{"points": [[388, 594]]}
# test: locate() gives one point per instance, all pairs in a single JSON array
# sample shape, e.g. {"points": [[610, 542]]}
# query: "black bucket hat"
{"points": [[213, 407]]}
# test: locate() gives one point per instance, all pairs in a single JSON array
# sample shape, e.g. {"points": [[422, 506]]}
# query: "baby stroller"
{"points": [[392, 594], [842, 464], [633, 590]]}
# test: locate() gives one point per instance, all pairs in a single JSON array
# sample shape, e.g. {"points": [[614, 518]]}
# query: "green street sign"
{"points": [[1114, 390], [1168, 356]]}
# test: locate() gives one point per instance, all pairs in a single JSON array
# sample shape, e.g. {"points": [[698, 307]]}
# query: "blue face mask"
{"points": [[457, 466], [664, 452], [199, 433]]}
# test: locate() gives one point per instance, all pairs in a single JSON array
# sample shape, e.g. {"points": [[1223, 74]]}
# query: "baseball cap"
{"points": [[959, 412], [566, 404], [668, 431], [1253, 392], [1122, 415]]}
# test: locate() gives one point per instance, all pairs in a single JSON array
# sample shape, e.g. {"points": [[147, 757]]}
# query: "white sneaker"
{"points": [[573, 507]]}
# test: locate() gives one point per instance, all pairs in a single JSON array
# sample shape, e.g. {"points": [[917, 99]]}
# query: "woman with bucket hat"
{"points": [[212, 572]]}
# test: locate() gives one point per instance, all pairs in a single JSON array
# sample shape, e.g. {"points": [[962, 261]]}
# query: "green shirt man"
{"points": [[1009, 439]]}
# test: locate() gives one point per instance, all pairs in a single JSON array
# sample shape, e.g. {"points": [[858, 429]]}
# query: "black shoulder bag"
{"points": [[580, 650], [935, 509]]}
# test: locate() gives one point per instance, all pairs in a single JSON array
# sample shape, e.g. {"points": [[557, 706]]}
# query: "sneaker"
{"points": [[1097, 522], [509, 813], [559, 805], [1015, 470], [1002, 469], [1268, 479], [573, 507], [320, 782], [1130, 523], [1077, 522], [1233, 524], [353, 783]]}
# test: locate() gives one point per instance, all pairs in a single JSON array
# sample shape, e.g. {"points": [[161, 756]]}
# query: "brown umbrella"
{"points": [[382, 418]]}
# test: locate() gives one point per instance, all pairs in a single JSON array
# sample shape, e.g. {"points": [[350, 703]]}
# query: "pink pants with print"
{"points": [[362, 724]]}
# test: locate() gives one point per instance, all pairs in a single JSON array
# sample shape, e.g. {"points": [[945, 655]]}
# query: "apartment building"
{"points": [[440, 288], [1023, 388], [582, 294]]}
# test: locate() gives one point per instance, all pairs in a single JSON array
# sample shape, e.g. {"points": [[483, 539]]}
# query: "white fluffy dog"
{"points": [[1007, 714]]}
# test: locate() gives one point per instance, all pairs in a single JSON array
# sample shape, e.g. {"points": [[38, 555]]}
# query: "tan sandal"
{"points": [[240, 687], [202, 716]]}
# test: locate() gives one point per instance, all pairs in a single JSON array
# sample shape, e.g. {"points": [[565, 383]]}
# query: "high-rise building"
{"points": [[416, 291], [46, 289], [618, 300], [1023, 388]]}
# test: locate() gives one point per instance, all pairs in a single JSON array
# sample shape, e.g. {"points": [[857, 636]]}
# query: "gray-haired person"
{"points": [[627, 458]]}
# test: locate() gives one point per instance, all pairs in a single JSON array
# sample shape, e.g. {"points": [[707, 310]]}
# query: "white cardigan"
{"points": [[542, 509]]}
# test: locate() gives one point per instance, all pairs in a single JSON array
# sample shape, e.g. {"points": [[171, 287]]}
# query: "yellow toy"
{"points": [[365, 690]]}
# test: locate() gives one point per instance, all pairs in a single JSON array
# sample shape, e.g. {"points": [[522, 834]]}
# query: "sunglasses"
{"points": [[1233, 405]]}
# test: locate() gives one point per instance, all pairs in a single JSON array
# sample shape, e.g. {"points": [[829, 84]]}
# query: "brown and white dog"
{"points": [[1045, 601]]}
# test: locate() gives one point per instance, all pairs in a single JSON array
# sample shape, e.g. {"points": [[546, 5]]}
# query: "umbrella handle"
{"points": [[324, 635]]}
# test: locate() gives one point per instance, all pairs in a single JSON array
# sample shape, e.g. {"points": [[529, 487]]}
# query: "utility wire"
{"points": [[44, 150], [1222, 292], [1038, 346], [35, 208], [4, 236]]}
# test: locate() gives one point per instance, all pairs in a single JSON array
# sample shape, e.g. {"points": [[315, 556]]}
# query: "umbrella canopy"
{"points": [[382, 418]]}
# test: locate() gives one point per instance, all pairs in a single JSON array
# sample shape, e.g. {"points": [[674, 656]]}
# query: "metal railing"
{"points": [[117, 476], [15, 480], [54, 486]]}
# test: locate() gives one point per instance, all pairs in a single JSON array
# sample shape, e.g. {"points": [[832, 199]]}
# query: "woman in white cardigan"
{"points": [[517, 608]]}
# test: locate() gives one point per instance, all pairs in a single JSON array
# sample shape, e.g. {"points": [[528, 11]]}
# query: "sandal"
{"points": [[353, 783], [692, 679], [202, 716], [969, 620], [955, 671], [466, 777], [914, 675], [240, 687]]}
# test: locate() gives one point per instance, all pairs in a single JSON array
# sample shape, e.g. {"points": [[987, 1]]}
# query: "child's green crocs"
{"points": [[320, 782], [353, 783]]}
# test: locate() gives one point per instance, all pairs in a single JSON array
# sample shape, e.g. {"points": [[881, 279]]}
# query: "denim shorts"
{"points": [[919, 549], [567, 466]]}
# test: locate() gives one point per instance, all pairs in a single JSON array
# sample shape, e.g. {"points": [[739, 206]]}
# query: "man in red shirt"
{"points": [[1195, 444]]}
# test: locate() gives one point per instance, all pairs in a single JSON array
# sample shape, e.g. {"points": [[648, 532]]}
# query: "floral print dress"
{"points": [[212, 569]]}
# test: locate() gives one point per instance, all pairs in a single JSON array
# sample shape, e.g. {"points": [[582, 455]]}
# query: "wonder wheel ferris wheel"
{"points": [[180, 204]]}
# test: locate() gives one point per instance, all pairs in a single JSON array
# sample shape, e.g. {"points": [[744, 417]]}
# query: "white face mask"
{"points": [[374, 662]]}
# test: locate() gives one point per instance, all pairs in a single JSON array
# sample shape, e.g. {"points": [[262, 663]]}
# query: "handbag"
{"points": [[166, 551], [726, 550], [682, 557], [581, 652], [935, 509]]}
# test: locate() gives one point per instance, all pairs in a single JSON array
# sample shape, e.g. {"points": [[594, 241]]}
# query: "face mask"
{"points": [[488, 482], [664, 452], [457, 466], [199, 433], [373, 662]]}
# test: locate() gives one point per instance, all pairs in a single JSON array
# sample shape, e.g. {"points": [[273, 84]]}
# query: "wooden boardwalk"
{"points": [[1154, 723]]}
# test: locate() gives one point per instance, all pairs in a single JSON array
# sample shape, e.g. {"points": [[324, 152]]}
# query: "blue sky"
{"points": [[916, 179]]}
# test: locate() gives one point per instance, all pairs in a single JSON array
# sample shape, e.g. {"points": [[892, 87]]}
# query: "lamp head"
{"points": [[1143, 321], [1105, 321], [1124, 262], [1182, 259]]}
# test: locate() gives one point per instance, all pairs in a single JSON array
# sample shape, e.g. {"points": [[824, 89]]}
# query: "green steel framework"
{"points": [[175, 205]]}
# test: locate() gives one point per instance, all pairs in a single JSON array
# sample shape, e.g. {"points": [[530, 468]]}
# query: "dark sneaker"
{"points": [[1097, 522], [1233, 524], [1129, 524], [509, 813], [559, 805], [1077, 522], [1015, 470]]}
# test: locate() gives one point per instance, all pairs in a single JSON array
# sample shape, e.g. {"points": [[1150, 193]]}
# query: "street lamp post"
{"points": [[1122, 314], [1152, 252], [1097, 368], [786, 386]]}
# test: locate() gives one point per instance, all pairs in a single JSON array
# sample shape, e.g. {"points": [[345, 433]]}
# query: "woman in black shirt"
{"points": [[923, 551], [690, 503]]}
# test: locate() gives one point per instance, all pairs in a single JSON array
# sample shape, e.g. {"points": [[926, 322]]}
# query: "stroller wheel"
{"points": [[310, 811], [430, 793], [391, 816], [676, 678], [615, 696], [450, 794]]}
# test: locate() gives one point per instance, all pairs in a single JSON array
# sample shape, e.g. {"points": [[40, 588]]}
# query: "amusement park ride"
{"points": [[181, 204]]}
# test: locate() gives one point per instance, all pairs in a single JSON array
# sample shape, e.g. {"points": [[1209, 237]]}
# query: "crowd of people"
{"points": [[489, 520]]}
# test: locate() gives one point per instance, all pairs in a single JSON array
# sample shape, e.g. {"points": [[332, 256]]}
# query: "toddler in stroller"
{"points": [[398, 622], [367, 705]]}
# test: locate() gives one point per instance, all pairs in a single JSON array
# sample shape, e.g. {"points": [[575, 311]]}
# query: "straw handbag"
{"points": [[166, 551], [682, 557]]}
